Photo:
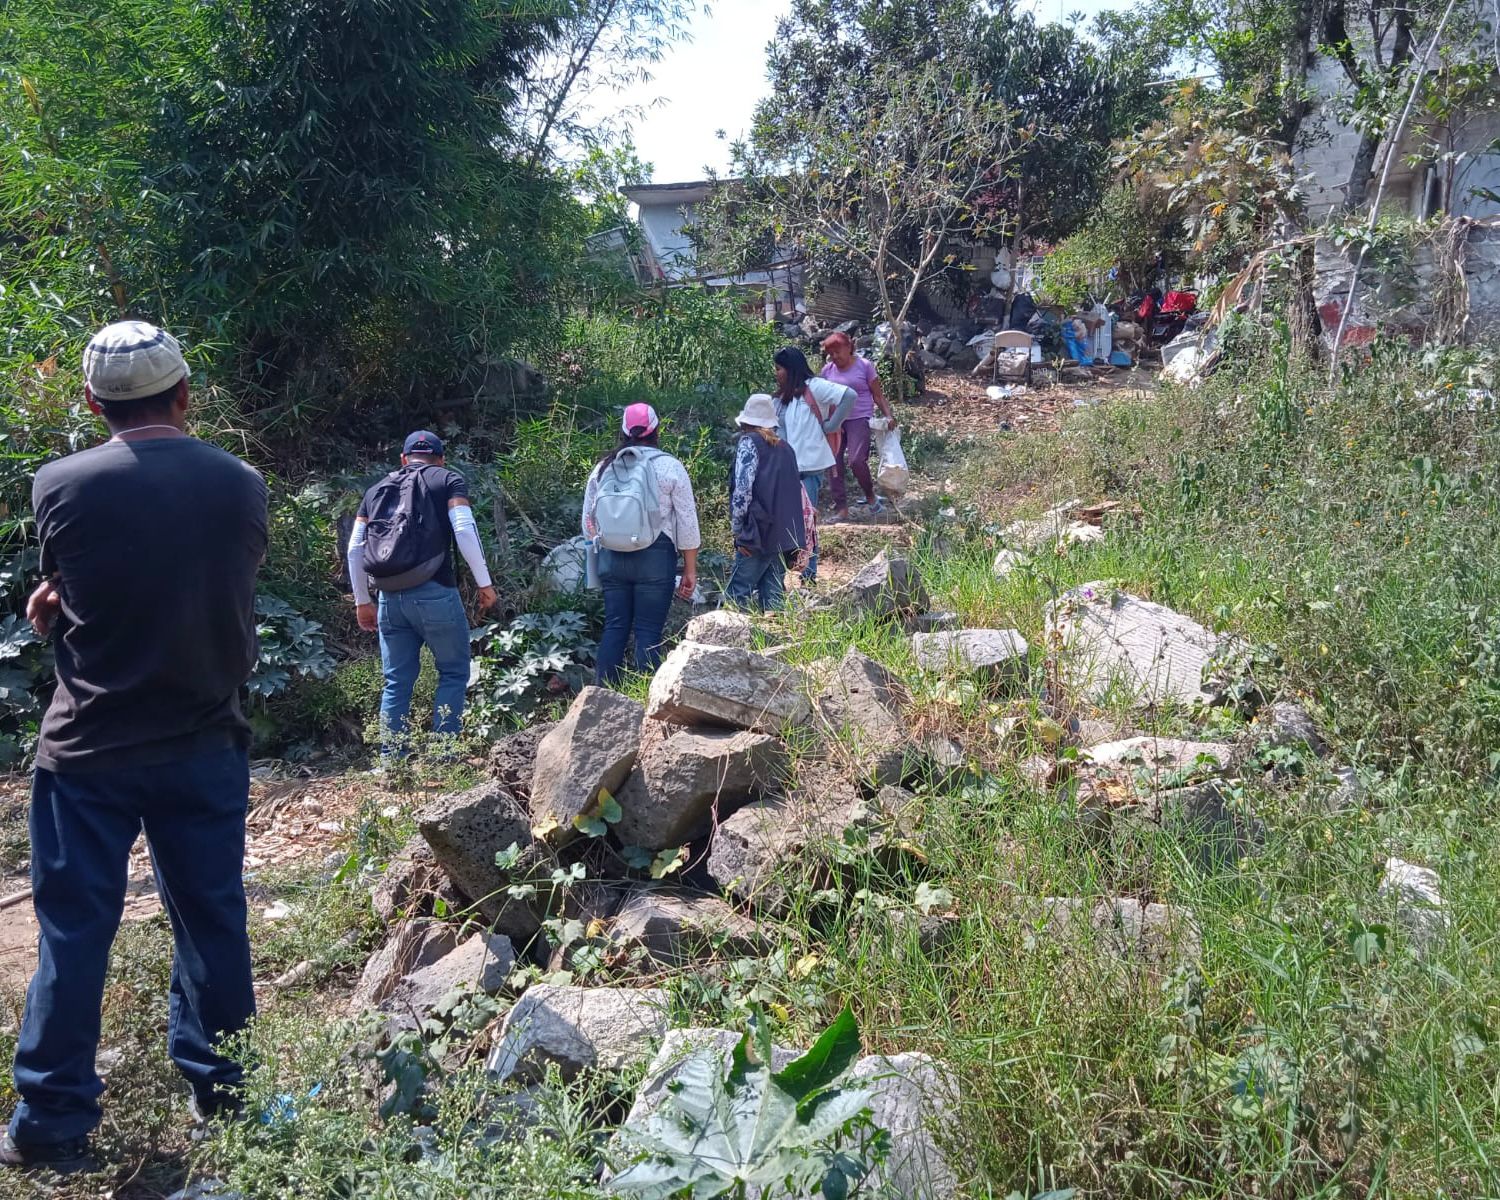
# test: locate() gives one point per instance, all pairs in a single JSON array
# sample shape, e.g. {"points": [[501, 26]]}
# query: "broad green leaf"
{"points": [[828, 1058]]}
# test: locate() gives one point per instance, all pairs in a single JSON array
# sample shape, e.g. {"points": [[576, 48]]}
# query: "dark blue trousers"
{"points": [[82, 828], [638, 589]]}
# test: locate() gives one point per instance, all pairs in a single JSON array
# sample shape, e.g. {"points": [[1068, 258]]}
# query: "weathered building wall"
{"points": [[1416, 296]]}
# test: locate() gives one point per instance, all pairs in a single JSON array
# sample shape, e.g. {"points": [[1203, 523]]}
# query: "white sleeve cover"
{"points": [[466, 534], [358, 580]]}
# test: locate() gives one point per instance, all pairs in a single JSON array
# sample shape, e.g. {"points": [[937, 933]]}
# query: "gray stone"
{"points": [[933, 931], [1095, 733], [591, 750], [861, 707], [1288, 724], [720, 685], [1159, 935], [483, 961], [410, 883], [998, 653], [409, 947], [722, 627], [512, 759], [679, 1045], [1348, 791], [911, 1095], [1154, 757], [1111, 639], [579, 1029], [883, 587], [466, 830], [930, 622], [206, 1189], [682, 780], [678, 927], [749, 849], [964, 358], [1417, 892], [1008, 561], [822, 809]]}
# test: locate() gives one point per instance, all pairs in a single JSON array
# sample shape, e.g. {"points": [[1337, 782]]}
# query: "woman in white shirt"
{"points": [[637, 584], [812, 412]]}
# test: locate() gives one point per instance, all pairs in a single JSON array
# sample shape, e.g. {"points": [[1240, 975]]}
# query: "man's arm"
{"points": [[466, 534], [359, 581]]}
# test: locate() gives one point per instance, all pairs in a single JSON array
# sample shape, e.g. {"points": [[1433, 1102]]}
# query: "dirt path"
{"points": [[954, 407], [291, 819]]}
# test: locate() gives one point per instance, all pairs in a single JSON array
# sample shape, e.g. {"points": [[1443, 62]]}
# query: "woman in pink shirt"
{"points": [[846, 367]]}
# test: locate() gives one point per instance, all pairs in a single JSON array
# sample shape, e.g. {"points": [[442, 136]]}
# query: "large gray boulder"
{"points": [[482, 962], [861, 707], [749, 850], [591, 750], [410, 946], [911, 1096], [512, 758], [466, 830], [676, 927], [721, 685], [722, 627], [579, 1029], [996, 653], [883, 587], [1112, 640], [682, 780]]}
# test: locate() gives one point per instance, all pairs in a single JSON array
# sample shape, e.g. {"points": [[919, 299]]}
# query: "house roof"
{"points": [[669, 193]]}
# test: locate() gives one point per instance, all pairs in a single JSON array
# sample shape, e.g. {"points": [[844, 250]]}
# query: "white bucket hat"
{"points": [[760, 410], [131, 359]]}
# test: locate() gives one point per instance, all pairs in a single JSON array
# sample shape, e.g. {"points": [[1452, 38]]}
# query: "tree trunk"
{"points": [[1357, 190], [1294, 73]]}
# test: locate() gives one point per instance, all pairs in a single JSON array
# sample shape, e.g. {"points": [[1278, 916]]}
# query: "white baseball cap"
{"points": [[131, 359]]}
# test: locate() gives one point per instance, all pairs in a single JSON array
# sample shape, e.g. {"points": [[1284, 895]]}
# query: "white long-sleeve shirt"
{"points": [[807, 420], [674, 490]]}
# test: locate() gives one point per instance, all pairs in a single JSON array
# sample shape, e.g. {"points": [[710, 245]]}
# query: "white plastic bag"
{"points": [[893, 475]]}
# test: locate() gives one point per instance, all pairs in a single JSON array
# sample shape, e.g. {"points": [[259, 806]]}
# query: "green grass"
{"points": [[1307, 1051]]}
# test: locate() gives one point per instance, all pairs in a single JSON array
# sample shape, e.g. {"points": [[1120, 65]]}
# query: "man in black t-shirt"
{"points": [[430, 613], [149, 548]]}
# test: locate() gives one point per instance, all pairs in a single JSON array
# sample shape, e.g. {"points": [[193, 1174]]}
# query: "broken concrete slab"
{"points": [[886, 586], [1417, 892], [1111, 640], [997, 653], [591, 750], [1156, 758], [579, 1029], [721, 685], [722, 627], [1158, 935]]}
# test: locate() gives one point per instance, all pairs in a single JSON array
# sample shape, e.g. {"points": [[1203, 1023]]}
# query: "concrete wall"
{"points": [[1329, 155], [1401, 300]]}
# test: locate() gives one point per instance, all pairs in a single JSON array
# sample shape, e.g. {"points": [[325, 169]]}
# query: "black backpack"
{"points": [[406, 539]]}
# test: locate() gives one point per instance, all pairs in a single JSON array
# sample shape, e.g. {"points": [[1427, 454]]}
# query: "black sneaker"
{"points": [[65, 1157]]}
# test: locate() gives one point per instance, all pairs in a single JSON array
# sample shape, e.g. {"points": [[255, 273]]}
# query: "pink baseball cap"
{"points": [[640, 420]]}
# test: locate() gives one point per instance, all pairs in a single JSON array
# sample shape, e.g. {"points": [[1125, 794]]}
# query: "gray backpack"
{"points": [[627, 508]]}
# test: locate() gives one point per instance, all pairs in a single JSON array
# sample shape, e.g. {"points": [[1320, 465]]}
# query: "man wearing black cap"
{"points": [[150, 544], [419, 606]]}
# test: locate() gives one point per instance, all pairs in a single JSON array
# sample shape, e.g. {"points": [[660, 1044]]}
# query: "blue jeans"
{"points": [[431, 615], [638, 586], [1075, 348], [762, 576], [82, 828], [811, 483]]}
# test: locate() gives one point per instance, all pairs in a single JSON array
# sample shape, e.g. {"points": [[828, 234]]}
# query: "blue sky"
{"points": [[714, 81]]}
